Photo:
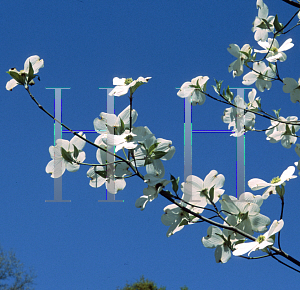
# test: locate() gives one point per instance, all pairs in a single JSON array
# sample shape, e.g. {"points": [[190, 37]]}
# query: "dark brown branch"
{"points": [[292, 3]]}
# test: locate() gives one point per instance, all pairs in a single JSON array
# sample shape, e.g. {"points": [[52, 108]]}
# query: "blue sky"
{"points": [[90, 245]]}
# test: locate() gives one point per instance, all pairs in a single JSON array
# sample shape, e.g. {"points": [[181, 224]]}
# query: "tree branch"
{"points": [[292, 3]]}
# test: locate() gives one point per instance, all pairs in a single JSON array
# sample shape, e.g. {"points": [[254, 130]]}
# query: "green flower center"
{"points": [[275, 180], [260, 239], [128, 81], [240, 216], [274, 49], [129, 138]]}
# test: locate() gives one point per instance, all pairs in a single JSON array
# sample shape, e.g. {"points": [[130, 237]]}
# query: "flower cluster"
{"points": [[279, 131], [237, 118], [240, 217]]}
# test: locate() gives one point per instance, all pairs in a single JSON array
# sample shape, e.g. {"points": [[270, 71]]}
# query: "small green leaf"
{"points": [[158, 154], [30, 72], [287, 130], [218, 86], [239, 242], [183, 223], [215, 88], [258, 102], [272, 66], [278, 26], [20, 78], [152, 147], [122, 127], [211, 194], [229, 94], [148, 161], [277, 112], [66, 155], [280, 190], [76, 151], [245, 53], [174, 183], [262, 25], [102, 173], [205, 193]]}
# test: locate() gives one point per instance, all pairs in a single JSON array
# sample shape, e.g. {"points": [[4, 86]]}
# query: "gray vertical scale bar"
{"points": [[57, 135], [110, 109], [240, 150], [187, 137]]}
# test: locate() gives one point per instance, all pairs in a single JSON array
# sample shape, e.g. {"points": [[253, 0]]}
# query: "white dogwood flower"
{"points": [[59, 164], [194, 89], [261, 242], [274, 52], [236, 118], [281, 131], [292, 87], [261, 75], [238, 65], [256, 183], [123, 85], [25, 77], [216, 239], [263, 24]]}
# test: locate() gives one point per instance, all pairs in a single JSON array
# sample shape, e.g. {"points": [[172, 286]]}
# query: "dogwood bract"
{"points": [[261, 242], [263, 24], [123, 85], [59, 164], [257, 183], [292, 87], [194, 90], [25, 77], [237, 67], [261, 75], [272, 49]]}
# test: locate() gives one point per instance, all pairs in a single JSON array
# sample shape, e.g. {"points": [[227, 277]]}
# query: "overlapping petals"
{"points": [[58, 165], [261, 76], [261, 242], [25, 77], [292, 87], [123, 85], [274, 52], [256, 183], [194, 89], [237, 67]]}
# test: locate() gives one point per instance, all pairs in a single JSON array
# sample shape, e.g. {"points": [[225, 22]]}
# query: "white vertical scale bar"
{"points": [[240, 150], [110, 106], [57, 135], [187, 138]]}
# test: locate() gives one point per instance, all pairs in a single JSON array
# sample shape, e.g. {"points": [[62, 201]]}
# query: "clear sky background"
{"points": [[86, 244]]}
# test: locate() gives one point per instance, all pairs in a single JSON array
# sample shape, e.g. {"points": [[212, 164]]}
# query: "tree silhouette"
{"points": [[12, 273], [145, 285]]}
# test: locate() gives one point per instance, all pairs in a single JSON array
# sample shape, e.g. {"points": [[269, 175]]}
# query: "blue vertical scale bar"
{"points": [[240, 145], [57, 135]]}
